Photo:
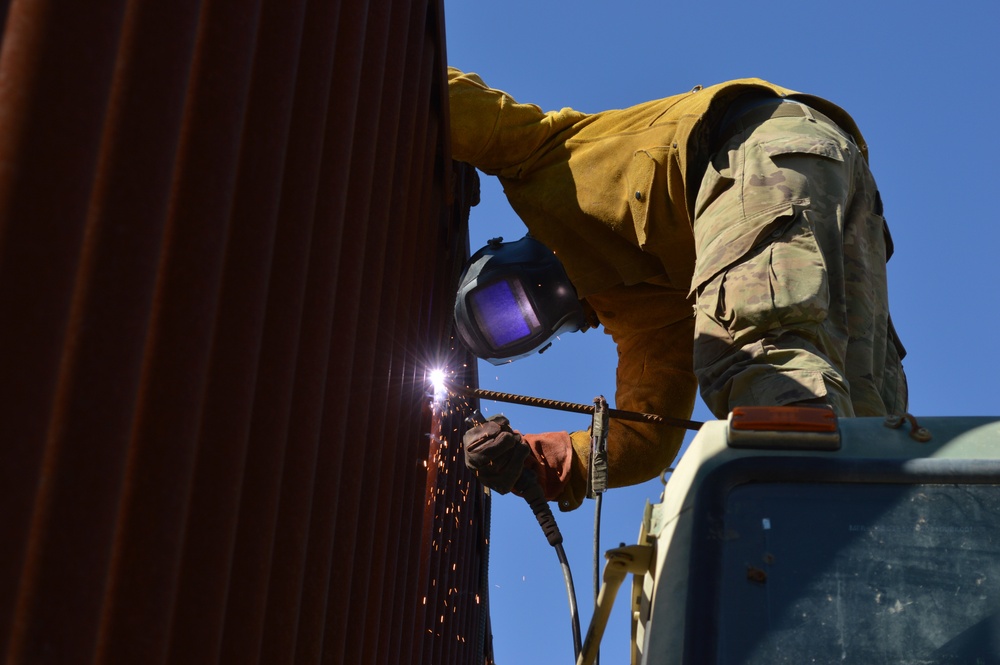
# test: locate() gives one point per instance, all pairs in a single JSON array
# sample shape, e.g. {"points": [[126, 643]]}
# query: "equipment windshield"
{"points": [[849, 573]]}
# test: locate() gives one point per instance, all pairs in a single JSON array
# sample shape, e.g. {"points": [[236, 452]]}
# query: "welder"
{"points": [[730, 238]]}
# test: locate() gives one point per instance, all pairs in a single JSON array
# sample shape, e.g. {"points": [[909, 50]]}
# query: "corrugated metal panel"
{"points": [[228, 238]]}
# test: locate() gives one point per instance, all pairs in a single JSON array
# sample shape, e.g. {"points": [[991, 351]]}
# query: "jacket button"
{"points": [[638, 196]]}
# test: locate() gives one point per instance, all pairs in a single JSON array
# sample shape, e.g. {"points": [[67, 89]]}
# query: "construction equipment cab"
{"points": [[788, 536]]}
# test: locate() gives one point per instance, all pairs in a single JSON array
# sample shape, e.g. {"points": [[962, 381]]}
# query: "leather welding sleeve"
{"points": [[653, 328], [492, 131]]}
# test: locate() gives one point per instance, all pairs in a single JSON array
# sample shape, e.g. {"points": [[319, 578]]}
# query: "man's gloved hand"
{"points": [[496, 453]]}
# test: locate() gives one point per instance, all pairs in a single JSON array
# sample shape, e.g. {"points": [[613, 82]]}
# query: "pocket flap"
{"points": [[731, 243], [655, 197]]}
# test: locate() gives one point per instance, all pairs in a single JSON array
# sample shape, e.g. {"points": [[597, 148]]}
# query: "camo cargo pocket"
{"points": [[779, 285], [775, 172]]}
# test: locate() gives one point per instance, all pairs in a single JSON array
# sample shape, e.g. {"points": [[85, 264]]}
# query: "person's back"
{"points": [[747, 202]]}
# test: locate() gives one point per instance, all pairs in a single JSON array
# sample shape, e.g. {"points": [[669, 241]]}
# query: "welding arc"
{"points": [[543, 403]]}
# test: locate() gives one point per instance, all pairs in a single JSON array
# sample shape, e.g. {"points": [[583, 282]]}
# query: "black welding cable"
{"points": [[598, 500], [574, 614], [527, 486], [597, 544]]}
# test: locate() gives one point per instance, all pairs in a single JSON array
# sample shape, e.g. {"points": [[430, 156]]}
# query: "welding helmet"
{"points": [[512, 299]]}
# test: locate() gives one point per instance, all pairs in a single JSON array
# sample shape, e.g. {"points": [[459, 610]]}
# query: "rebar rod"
{"points": [[557, 405]]}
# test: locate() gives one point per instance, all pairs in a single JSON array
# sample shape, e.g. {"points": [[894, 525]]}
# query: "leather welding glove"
{"points": [[496, 453]]}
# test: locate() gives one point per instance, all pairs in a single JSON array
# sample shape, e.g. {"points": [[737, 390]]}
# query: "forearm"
{"points": [[653, 329], [492, 131], [636, 451]]}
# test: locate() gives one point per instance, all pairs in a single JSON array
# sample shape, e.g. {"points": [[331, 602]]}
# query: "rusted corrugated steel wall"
{"points": [[229, 231]]}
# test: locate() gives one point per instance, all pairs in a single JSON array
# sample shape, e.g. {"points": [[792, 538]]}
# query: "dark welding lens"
{"points": [[504, 313]]}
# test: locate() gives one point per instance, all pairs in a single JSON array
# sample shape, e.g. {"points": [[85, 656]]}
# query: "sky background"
{"points": [[921, 80]]}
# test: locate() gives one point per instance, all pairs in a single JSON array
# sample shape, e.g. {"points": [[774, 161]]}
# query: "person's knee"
{"points": [[773, 373]]}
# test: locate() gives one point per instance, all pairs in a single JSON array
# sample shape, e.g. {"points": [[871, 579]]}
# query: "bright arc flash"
{"points": [[438, 381]]}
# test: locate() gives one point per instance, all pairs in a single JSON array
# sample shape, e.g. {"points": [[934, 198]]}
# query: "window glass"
{"points": [[836, 573]]}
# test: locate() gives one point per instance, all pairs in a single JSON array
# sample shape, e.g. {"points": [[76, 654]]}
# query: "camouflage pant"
{"points": [[791, 291]]}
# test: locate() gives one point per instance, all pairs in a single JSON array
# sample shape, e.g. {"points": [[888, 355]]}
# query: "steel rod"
{"points": [[557, 405]]}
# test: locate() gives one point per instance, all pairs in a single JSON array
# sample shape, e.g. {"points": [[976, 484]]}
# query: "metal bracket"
{"points": [[917, 433], [598, 481], [634, 559]]}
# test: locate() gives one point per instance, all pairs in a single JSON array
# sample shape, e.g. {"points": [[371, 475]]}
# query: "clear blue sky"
{"points": [[922, 82]]}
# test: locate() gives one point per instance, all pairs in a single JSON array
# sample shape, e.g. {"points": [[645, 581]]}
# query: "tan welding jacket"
{"points": [[612, 193]]}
